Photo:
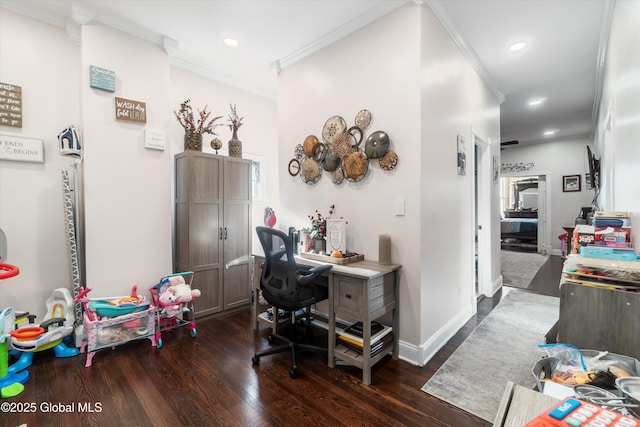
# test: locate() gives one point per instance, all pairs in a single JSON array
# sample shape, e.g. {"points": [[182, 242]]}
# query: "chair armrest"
{"points": [[319, 269], [307, 277]]}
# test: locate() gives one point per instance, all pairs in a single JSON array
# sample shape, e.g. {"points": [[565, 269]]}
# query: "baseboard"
{"points": [[420, 355]]}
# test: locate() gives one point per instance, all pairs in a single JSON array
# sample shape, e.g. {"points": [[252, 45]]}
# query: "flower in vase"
{"points": [[196, 124], [234, 121]]}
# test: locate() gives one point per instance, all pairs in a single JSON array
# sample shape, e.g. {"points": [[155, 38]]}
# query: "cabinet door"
{"points": [[199, 204], [237, 232]]}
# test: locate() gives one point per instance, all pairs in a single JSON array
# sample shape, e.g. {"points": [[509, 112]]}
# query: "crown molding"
{"points": [[467, 51], [350, 27]]}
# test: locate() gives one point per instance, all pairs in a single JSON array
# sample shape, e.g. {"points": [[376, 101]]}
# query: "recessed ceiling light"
{"points": [[516, 47], [550, 132], [534, 102], [231, 42]]}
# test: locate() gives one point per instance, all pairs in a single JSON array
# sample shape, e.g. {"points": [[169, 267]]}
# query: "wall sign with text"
{"points": [[10, 105], [21, 149], [101, 78], [131, 111]]}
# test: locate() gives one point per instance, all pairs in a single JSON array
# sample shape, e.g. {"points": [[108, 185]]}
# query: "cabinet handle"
{"points": [[225, 233], [220, 233], [348, 296]]}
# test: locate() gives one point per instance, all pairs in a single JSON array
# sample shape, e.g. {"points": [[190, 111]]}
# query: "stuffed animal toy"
{"points": [[168, 298], [184, 293], [181, 291]]}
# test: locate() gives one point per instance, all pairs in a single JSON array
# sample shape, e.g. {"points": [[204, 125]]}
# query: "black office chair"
{"points": [[286, 287]]}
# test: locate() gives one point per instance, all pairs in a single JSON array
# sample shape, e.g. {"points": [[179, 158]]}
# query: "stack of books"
{"points": [[351, 337]]}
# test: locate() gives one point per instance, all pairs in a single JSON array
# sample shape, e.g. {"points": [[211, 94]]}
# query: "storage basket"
{"points": [[545, 367]]}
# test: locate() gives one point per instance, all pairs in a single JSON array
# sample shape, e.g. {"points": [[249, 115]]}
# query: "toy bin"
{"points": [[545, 367], [114, 331], [173, 314]]}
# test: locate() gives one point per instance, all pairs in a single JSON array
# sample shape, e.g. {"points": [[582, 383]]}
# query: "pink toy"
{"points": [[174, 300], [167, 298]]}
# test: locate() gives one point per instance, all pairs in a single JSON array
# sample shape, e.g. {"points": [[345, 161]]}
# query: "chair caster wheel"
{"points": [[270, 339], [255, 361], [293, 373]]}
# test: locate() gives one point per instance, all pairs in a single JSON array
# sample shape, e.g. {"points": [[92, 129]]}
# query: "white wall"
{"points": [[557, 159], [45, 63], [618, 124], [366, 70], [126, 186], [454, 101], [406, 70]]}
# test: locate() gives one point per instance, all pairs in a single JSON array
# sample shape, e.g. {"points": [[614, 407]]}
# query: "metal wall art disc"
{"points": [[389, 160], [319, 151], [363, 119], [355, 166], [376, 145], [294, 167], [337, 176], [330, 162], [298, 153], [310, 171], [332, 127], [342, 144], [357, 141], [308, 144]]}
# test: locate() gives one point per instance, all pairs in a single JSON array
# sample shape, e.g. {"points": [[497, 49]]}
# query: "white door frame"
{"points": [[544, 231], [482, 225]]}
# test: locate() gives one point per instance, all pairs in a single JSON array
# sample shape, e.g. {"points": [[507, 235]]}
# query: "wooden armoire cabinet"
{"points": [[213, 228]]}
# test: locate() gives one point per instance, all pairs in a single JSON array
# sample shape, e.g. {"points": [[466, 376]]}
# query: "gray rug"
{"points": [[502, 348], [519, 268]]}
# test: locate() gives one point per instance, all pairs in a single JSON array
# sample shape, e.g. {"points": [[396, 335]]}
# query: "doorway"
{"points": [[482, 218], [524, 213]]}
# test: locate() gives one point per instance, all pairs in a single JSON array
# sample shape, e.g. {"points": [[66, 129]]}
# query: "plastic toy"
{"points": [[11, 382], [100, 333], [174, 310], [57, 325]]}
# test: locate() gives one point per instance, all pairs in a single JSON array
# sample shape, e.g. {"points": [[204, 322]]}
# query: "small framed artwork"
{"points": [[336, 235], [496, 169], [462, 156], [571, 183]]}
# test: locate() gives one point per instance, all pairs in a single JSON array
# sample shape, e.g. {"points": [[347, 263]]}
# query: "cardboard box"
{"points": [[612, 234], [583, 235]]}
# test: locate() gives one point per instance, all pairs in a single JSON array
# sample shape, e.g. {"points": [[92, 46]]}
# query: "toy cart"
{"points": [[172, 315]]}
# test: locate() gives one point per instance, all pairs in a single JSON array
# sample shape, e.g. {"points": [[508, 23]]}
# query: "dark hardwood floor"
{"points": [[210, 381]]}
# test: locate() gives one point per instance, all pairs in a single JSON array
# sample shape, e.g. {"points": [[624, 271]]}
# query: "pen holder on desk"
{"points": [[384, 249]]}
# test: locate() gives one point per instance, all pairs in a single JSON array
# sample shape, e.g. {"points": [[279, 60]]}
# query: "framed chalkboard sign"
{"points": [[101, 78]]}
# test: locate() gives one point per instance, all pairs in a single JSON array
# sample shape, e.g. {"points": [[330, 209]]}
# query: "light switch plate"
{"points": [[399, 207]]}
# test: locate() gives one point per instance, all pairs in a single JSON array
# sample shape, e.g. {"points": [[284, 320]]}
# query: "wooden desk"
{"points": [[361, 291]]}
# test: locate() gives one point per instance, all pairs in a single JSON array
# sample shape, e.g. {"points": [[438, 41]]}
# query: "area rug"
{"points": [[519, 268], [502, 348]]}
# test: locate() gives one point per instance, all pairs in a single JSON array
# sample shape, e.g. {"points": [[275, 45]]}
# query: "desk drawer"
{"points": [[348, 299]]}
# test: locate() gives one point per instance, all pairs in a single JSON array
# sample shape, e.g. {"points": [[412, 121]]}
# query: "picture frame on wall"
{"points": [[571, 183], [462, 155], [496, 169]]}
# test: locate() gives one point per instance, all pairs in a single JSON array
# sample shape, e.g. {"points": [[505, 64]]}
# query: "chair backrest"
{"points": [[279, 273], [60, 304]]}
